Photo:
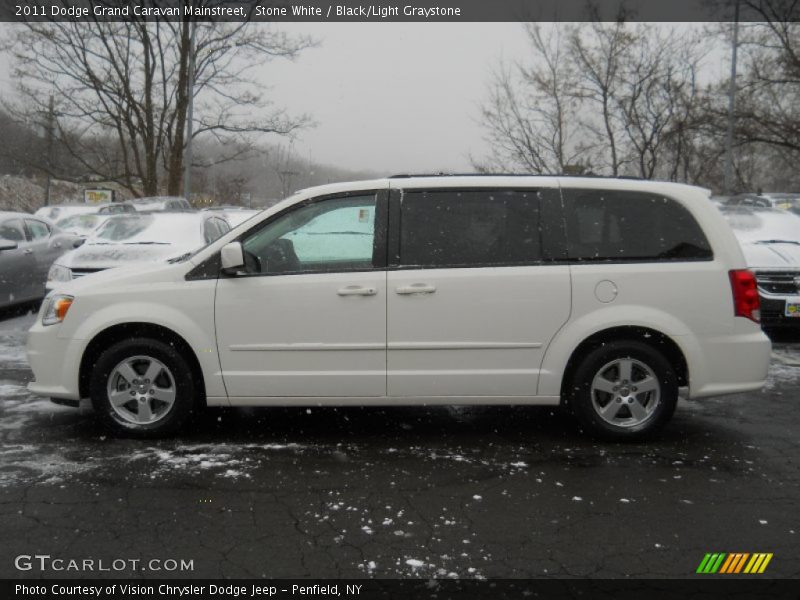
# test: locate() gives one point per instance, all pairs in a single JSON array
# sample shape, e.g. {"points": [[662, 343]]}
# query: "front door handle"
{"points": [[416, 288], [357, 290], [27, 251]]}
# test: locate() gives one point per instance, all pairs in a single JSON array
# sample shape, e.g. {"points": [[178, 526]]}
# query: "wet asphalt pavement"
{"points": [[401, 492]]}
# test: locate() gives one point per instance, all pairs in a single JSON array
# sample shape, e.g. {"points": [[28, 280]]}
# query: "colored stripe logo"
{"points": [[734, 563]]}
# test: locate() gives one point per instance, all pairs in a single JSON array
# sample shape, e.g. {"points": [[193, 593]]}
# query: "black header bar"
{"points": [[397, 11]]}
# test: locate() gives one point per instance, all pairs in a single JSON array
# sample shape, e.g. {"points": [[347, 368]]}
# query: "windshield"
{"points": [[177, 229], [78, 222]]}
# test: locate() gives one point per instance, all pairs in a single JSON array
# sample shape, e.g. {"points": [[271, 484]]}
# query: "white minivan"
{"points": [[606, 296]]}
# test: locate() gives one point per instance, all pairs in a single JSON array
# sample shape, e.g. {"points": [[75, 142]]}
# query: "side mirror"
{"points": [[232, 257], [8, 245], [78, 243]]}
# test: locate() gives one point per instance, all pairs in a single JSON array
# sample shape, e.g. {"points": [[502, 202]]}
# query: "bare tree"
{"points": [[532, 110], [768, 101], [121, 92], [608, 97], [600, 53], [658, 97]]}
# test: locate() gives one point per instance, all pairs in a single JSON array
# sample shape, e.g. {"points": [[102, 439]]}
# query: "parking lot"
{"points": [[407, 492]]}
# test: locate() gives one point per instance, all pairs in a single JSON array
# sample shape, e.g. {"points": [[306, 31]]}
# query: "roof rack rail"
{"points": [[442, 174], [582, 175]]}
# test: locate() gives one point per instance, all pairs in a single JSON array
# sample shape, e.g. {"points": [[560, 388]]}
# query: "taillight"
{"points": [[746, 302]]}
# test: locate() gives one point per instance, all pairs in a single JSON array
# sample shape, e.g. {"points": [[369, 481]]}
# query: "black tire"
{"points": [[585, 403], [177, 379]]}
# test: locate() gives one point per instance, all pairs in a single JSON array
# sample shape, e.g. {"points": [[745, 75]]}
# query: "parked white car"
{"points": [[58, 212], [138, 239], [606, 296], [161, 203], [770, 239], [235, 215]]}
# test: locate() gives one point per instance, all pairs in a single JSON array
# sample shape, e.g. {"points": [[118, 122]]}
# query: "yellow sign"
{"points": [[98, 196]]}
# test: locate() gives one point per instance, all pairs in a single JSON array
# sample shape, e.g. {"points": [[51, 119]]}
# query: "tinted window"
{"points": [[12, 230], [631, 226], [470, 228], [37, 229], [332, 235]]}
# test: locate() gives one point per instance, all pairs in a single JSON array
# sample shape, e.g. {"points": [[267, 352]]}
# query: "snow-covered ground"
{"points": [[13, 332]]}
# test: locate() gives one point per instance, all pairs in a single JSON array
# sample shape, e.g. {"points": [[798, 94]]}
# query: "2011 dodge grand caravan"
{"points": [[603, 295]]}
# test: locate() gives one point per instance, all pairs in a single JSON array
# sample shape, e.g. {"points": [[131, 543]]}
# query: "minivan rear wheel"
{"points": [[623, 390], [142, 388]]}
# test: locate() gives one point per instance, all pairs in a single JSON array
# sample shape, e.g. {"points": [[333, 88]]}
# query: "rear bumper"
{"points": [[731, 364]]}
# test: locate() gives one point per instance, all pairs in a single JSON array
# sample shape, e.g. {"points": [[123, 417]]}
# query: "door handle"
{"points": [[27, 251], [357, 290], [416, 288]]}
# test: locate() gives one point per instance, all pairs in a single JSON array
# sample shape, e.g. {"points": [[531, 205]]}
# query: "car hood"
{"points": [[142, 273], [106, 256], [760, 255]]}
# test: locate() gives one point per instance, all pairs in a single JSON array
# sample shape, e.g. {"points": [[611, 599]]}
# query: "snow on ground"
{"points": [[13, 334], [784, 366], [231, 461]]}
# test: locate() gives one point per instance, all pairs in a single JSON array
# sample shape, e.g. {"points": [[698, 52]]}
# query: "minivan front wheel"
{"points": [[624, 390], [142, 387]]}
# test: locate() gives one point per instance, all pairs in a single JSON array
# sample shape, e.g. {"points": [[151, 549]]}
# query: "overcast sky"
{"points": [[391, 97]]}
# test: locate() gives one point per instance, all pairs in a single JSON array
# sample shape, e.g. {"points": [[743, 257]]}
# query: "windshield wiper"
{"points": [[180, 258], [146, 243], [795, 242]]}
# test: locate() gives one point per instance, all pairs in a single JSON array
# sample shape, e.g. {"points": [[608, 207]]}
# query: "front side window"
{"points": [[470, 228], [37, 229], [336, 234], [12, 231], [605, 225]]}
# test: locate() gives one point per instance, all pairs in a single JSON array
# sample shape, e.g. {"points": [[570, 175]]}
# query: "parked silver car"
{"points": [[28, 246]]}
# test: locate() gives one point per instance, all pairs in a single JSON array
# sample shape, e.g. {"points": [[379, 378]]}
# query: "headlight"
{"points": [[56, 309], [59, 273]]}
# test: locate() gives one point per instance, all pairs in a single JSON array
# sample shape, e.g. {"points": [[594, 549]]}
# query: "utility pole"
{"points": [[187, 155], [728, 175], [49, 125]]}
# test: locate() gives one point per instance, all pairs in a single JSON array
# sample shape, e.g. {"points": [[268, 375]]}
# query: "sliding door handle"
{"points": [[357, 290], [416, 288]]}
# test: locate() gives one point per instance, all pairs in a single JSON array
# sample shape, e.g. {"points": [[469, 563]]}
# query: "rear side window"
{"points": [[470, 228], [605, 225]]}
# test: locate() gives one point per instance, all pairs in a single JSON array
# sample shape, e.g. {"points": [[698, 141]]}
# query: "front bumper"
{"points": [[55, 362], [773, 314]]}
